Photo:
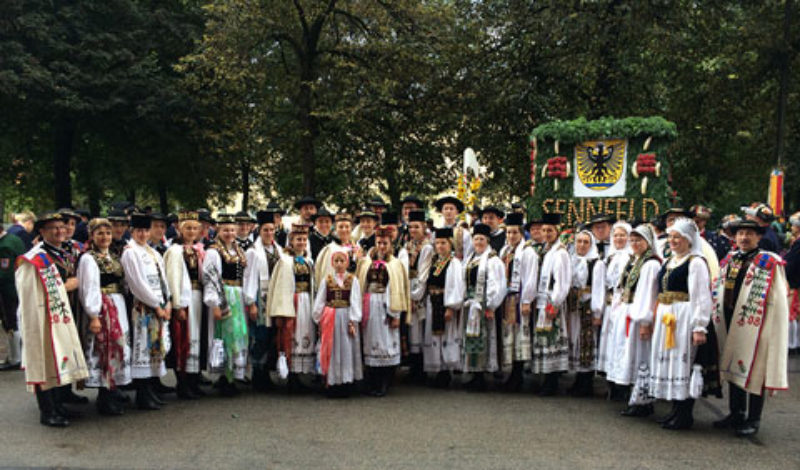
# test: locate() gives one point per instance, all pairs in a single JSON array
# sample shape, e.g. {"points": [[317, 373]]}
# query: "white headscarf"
{"points": [[625, 226], [688, 230], [580, 264]]}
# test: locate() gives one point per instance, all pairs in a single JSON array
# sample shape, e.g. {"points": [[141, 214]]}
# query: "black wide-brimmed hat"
{"points": [[744, 224], [158, 216], [413, 200], [377, 201], [500, 213], [306, 201], [449, 200], [367, 213], [275, 208], [226, 218], [323, 212], [68, 213], [602, 217], [46, 217], [680, 211]]}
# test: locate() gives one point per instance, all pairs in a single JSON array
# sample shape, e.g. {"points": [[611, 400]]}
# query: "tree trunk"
{"points": [[63, 140], [784, 63], [245, 183], [162, 198], [310, 128], [132, 196]]}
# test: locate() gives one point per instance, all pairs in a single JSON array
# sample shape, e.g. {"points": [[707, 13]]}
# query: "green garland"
{"points": [[580, 129]]}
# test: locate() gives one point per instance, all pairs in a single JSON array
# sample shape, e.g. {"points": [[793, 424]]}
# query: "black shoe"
{"points": [[295, 386], [733, 420], [7, 366], [155, 397], [119, 397], [679, 423], [442, 379], [747, 429], [477, 383], [144, 398], [669, 416], [203, 380], [47, 413], [194, 385], [638, 411], [106, 405], [66, 395], [550, 385]]}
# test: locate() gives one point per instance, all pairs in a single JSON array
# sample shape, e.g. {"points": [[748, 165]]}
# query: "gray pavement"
{"points": [[414, 427]]}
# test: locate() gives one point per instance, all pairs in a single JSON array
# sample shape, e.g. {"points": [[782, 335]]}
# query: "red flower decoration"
{"points": [[54, 319], [64, 359], [646, 164], [66, 319]]}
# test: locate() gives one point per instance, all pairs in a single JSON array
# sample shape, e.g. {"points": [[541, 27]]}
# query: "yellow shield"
{"points": [[600, 163]]}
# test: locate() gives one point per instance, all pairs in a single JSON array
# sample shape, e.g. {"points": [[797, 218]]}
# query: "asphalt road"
{"points": [[414, 427]]}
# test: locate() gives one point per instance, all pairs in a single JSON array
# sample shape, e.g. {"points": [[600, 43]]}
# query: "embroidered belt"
{"points": [[671, 297], [340, 303], [435, 291], [231, 282], [111, 289], [302, 286], [376, 288]]}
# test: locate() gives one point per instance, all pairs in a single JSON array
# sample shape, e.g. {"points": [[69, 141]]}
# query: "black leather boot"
{"points": [[194, 385], [106, 405], [183, 390], [514, 382], [737, 402], [550, 385], [144, 396], [684, 419], [477, 384], [753, 422], [47, 413], [669, 416]]}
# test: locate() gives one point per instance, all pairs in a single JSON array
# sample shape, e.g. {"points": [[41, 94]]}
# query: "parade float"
{"points": [[613, 166]]}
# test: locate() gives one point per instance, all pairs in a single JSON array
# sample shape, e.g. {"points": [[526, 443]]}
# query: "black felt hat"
{"points": [[68, 213], [482, 229], [551, 218], [158, 216], [377, 201], [413, 200], [416, 216], [444, 232], [602, 217], [265, 217], [500, 213], [141, 220], [389, 218], [46, 217], [306, 201], [275, 208], [514, 218], [367, 213], [323, 212], [449, 200], [226, 218], [743, 224]]}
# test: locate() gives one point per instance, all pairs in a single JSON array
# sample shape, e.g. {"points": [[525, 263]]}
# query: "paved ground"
{"points": [[414, 427]]}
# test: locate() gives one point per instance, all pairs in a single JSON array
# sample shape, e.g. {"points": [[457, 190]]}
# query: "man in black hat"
{"points": [[534, 229], [52, 353], [451, 207], [322, 233], [751, 321], [208, 234], [158, 232], [244, 228], [262, 258], [119, 231], [277, 211], [306, 208], [493, 217], [367, 221], [763, 215], [378, 205], [600, 225], [408, 204]]}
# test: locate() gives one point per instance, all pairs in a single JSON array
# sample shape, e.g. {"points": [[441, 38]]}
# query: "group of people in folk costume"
{"points": [[339, 300]]}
